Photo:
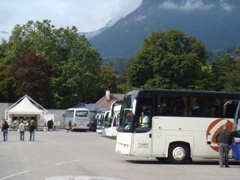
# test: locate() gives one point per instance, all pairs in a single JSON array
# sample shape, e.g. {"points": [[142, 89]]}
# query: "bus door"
{"points": [[158, 139], [231, 110], [237, 118], [141, 143], [235, 135], [142, 136]]}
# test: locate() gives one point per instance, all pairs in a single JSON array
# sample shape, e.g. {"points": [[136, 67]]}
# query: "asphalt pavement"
{"points": [[58, 155]]}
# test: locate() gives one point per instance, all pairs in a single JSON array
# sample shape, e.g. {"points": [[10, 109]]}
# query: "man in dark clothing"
{"points": [[70, 125], [5, 127], [32, 131], [222, 138]]}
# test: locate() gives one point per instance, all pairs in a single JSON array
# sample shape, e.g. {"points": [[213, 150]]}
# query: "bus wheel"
{"points": [[178, 153]]}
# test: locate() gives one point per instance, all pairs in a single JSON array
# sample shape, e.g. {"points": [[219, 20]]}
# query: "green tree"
{"points": [[32, 73], [7, 80], [78, 72], [108, 80], [221, 68], [75, 64], [232, 82], [119, 64], [7, 84], [168, 60], [206, 82]]}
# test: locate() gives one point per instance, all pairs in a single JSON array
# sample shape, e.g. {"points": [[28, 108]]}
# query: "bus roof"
{"points": [[71, 109], [186, 92]]}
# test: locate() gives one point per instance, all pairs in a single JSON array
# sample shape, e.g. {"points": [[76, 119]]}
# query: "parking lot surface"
{"points": [[58, 155]]}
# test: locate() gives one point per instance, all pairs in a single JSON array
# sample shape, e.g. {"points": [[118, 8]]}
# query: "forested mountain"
{"points": [[215, 22]]}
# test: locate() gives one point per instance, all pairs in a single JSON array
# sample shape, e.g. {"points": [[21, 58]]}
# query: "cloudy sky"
{"points": [[86, 15]]}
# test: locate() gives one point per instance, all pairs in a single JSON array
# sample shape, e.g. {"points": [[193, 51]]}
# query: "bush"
{"points": [[50, 124]]}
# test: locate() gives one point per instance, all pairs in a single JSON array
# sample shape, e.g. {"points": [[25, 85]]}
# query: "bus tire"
{"points": [[178, 153]]}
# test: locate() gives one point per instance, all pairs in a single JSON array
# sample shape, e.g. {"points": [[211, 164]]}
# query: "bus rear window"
{"points": [[81, 113]]}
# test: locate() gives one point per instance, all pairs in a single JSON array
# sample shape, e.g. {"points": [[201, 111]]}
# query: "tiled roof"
{"points": [[104, 103]]}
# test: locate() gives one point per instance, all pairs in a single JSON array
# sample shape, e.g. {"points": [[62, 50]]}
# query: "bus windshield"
{"points": [[126, 113]]}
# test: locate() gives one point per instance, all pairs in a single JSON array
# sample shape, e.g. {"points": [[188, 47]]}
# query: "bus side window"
{"points": [[194, 104], [212, 111], [179, 108], [178, 111], [162, 108], [230, 111], [170, 106], [195, 111]]}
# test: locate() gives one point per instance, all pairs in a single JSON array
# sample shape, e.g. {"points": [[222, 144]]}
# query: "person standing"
{"points": [[32, 131], [70, 125], [21, 130], [28, 124], [222, 138], [144, 120], [5, 127]]}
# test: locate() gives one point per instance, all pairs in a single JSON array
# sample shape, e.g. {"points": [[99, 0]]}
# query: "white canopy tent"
{"points": [[25, 107]]}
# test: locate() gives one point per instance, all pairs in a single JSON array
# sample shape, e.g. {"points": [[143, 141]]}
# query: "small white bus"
{"points": [[80, 117]]}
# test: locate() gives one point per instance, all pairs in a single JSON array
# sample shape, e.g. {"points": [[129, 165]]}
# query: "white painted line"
{"points": [[14, 175], [66, 162], [80, 178]]}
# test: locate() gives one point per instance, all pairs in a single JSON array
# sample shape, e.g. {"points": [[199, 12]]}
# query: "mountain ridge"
{"points": [[213, 22]]}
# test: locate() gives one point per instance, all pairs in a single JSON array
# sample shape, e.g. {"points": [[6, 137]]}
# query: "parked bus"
{"points": [[81, 118], [105, 121], [113, 119], [101, 119], [182, 124], [93, 125]]}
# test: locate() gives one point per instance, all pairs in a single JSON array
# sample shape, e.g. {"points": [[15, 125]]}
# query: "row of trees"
{"points": [[56, 67], [59, 68]]}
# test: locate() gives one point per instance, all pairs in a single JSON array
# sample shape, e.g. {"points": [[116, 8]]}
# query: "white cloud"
{"points": [[226, 6], [86, 15], [186, 5]]}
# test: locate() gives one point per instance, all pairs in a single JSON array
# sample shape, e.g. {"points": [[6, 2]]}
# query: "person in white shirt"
{"points": [[143, 120]]}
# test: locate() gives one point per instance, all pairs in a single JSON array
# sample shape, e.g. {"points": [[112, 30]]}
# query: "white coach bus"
{"points": [[101, 118], [80, 117], [113, 120], [181, 124]]}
